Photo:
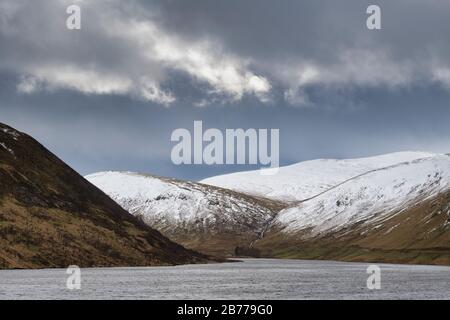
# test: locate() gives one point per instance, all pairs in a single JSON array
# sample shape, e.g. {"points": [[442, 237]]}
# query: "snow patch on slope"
{"points": [[4, 146], [15, 134]]}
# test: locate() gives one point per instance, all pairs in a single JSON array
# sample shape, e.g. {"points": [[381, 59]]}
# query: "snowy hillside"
{"points": [[369, 198], [186, 210], [307, 179], [393, 200]]}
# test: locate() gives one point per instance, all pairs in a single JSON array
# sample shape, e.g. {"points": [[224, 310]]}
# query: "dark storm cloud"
{"points": [[328, 38], [227, 49], [296, 28], [108, 96]]}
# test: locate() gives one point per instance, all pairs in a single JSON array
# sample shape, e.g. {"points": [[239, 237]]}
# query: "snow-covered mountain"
{"points": [[334, 209], [199, 216], [371, 197], [399, 213], [306, 179]]}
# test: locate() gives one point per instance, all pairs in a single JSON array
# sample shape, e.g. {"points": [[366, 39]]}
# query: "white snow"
{"points": [[369, 198], [129, 184], [6, 148], [324, 195], [15, 134], [306, 179], [166, 203]]}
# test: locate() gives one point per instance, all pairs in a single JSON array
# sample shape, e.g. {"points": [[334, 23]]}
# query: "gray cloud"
{"points": [[230, 48], [100, 97], [301, 44], [121, 49]]}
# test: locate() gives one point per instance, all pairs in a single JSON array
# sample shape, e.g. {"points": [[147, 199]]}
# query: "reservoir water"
{"points": [[249, 279]]}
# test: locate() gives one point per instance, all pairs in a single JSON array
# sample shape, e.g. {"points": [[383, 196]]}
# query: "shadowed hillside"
{"points": [[50, 216]]}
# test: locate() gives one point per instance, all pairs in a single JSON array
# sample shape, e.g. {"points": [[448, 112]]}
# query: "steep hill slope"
{"points": [[399, 214], [202, 217], [52, 217]]}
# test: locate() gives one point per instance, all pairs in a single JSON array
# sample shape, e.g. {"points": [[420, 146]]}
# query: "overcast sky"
{"points": [[108, 96]]}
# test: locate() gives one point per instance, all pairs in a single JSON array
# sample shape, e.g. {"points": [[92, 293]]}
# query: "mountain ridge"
{"points": [[210, 219], [370, 218], [306, 179], [275, 235]]}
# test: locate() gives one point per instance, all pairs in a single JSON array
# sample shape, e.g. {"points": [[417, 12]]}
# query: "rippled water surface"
{"points": [[250, 279]]}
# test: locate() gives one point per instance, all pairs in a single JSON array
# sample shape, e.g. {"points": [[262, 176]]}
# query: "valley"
{"points": [[388, 208], [392, 208]]}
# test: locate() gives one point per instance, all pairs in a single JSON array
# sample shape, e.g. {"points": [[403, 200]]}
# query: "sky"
{"points": [[108, 96]]}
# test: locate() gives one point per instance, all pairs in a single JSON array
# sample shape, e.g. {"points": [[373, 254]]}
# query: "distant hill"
{"points": [[388, 208], [399, 213], [306, 179], [205, 218], [50, 216]]}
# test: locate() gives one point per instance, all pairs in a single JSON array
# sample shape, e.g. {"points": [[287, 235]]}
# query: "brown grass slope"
{"points": [[418, 235], [50, 216], [225, 238]]}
